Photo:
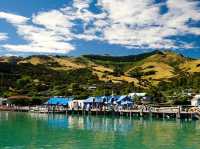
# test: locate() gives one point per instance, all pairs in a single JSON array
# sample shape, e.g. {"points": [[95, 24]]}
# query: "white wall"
{"points": [[196, 100]]}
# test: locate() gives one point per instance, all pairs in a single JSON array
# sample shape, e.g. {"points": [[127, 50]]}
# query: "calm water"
{"points": [[30, 131]]}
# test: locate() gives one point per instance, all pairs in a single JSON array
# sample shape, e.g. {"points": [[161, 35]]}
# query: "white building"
{"points": [[75, 104], [132, 95], [196, 100], [3, 101]]}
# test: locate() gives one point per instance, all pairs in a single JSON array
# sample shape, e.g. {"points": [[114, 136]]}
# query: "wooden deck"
{"points": [[138, 113], [173, 113]]}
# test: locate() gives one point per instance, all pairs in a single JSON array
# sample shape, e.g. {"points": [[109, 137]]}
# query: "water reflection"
{"points": [[73, 132], [106, 124], [95, 123]]}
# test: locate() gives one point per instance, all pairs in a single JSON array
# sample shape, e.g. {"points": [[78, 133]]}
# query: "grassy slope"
{"points": [[165, 64], [191, 66]]}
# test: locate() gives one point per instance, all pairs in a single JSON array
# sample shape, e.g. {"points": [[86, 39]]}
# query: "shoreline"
{"points": [[125, 113]]}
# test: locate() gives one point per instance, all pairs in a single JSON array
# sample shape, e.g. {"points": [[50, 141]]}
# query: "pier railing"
{"points": [[175, 112], [167, 109], [15, 108]]}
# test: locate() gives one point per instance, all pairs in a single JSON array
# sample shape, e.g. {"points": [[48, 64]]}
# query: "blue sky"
{"points": [[115, 27]]}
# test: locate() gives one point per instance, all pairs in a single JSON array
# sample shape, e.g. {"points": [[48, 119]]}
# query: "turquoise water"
{"points": [[30, 131]]}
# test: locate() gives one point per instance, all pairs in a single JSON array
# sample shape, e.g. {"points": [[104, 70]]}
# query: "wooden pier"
{"points": [[138, 113], [164, 112], [14, 109]]}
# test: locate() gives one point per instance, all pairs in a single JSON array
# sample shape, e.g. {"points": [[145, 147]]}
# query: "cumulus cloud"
{"points": [[53, 20], [3, 36], [130, 23], [140, 23], [51, 47], [81, 4], [40, 39], [13, 18]]}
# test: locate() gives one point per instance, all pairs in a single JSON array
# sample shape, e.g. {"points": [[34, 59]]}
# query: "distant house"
{"points": [[196, 100], [3, 101], [140, 97], [19, 100], [132, 95], [146, 100], [92, 88]]}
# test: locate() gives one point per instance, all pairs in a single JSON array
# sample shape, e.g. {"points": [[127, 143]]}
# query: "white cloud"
{"points": [[130, 23], [48, 39], [40, 40], [13, 18], [131, 12], [50, 47], [139, 22], [81, 4], [3, 36], [52, 19]]}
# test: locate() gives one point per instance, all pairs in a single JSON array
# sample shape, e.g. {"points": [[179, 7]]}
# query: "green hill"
{"points": [[62, 75]]}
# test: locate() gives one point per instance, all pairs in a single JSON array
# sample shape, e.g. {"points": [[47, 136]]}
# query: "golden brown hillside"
{"points": [[168, 57], [191, 66], [36, 60], [57, 63], [158, 67], [154, 67]]}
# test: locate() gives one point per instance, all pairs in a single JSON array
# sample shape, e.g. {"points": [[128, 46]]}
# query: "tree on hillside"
{"points": [[23, 81], [118, 71], [156, 94]]}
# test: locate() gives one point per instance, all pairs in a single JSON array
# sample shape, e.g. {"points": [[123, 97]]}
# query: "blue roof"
{"points": [[123, 98], [96, 99], [100, 99], [127, 103], [113, 98], [107, 99], [59, 101], [89, 100]]}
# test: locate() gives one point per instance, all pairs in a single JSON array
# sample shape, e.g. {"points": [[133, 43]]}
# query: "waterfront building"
{"points": [[146, 100], [124, 99], [3, 101], [19, 100], [95, 102], [76, 104], [108, 101], [59, 101], [196, 100]]}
